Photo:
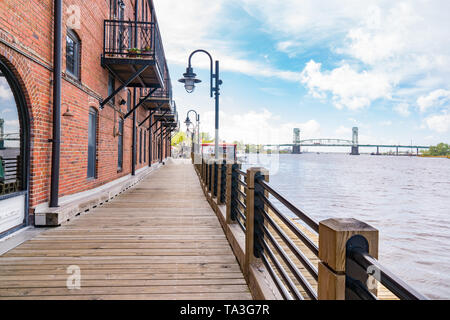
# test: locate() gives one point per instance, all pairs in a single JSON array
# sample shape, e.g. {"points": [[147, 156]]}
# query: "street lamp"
{"points": [[188, 123], [189, 80]]}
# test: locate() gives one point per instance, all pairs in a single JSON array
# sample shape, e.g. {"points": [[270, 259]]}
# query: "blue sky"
{"points": [[323, 66]]}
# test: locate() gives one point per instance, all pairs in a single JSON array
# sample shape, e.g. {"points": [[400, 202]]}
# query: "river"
{"points": [[406, 198]]}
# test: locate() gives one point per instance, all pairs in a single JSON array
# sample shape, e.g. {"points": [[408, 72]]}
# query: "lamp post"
{"points": [[188, 123], [189, 80]]}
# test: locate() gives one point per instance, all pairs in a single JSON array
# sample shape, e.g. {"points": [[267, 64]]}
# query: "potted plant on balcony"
{"points": [[133, 52], [146, 50]]}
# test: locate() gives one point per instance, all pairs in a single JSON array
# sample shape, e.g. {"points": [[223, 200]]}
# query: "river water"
{"points": [[406, 198]]}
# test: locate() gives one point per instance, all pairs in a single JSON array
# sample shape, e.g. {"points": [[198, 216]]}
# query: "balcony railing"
{"points": [[130, 39]]}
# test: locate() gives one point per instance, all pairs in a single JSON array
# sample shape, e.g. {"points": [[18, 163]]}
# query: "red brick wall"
{"points": [[26, 44]]}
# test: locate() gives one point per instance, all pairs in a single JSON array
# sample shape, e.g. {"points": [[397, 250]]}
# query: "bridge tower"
{"points": [[2, 141], [355, 143], [296, 141]]}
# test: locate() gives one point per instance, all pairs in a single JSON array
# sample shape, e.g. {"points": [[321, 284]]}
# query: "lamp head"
{"points": [[188, 122], [189, 80]]}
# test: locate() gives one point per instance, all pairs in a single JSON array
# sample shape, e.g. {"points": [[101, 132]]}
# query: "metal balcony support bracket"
{"points": [[168, 133], [146, 118], [138, 77], [158, 121], [139, 103], [125, 84]]}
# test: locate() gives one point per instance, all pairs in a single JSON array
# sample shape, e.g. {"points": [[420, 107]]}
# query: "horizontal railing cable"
{"points": [[311, 245], [387, 278], [276, 279], [239, 221], [305, 218], [281, 270], [296, 251]]}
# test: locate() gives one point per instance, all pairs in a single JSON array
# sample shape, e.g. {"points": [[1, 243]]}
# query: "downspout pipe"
{"points": [[57, 69], [133, 156]]}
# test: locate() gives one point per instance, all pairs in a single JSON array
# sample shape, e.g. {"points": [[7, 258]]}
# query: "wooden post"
{"points": [[213, 177], [203, 171], [333, 237], [219, 181], [253, 218], [228, 193]]}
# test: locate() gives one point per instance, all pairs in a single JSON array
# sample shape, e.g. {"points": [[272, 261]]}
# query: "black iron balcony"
{"points": [[133, 51], [167, 116]]}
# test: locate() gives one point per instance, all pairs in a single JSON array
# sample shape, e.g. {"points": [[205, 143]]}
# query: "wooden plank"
{"points": [[17, 292], [160, 240], [144, 296]]}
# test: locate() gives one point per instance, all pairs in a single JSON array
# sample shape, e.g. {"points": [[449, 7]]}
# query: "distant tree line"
{"points": [[442, 149]]}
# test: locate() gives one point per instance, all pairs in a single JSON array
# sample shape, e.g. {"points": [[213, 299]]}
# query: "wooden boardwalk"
{"points": [[159, 240]]}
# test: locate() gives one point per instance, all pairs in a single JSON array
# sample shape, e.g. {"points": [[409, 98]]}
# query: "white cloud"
{"points": [[198, 26], [386, 123], [5, 91], [343, 132], [348, 87], [402, 109], [257, 127], [433, 99], [439, 123]]}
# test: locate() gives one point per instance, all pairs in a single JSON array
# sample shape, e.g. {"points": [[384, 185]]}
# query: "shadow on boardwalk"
{"points": [[159, 240]]}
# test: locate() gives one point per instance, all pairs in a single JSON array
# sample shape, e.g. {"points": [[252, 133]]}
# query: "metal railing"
{"points": [[278, 245], [288, 241], [238, 196], [369, 264], [131, 39]]}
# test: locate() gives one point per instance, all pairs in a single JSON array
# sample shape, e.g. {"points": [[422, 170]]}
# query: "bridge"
{"points": [[353, 144]]}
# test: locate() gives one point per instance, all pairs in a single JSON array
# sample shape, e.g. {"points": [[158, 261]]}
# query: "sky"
{"points": [[323, 66]]}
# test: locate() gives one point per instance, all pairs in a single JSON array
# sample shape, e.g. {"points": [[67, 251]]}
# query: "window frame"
{"points": [[120, 145], [111, 87], [77, 54], [145, 146], [89, 174], [140, 146]]}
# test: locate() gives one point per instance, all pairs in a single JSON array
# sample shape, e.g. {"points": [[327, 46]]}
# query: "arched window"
{"points": [[73, 54], [14, 153], [92, 143]]}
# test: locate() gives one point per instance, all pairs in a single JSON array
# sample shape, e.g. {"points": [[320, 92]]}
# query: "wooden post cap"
{"points": [[251, 176], [333, 237]]}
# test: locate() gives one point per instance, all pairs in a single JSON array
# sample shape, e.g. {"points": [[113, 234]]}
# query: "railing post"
{"points": [[206, 175], [219, 182], [334, 235], [213, 178], [254, 218], [209, 175], [203, 171], [229, 191]]}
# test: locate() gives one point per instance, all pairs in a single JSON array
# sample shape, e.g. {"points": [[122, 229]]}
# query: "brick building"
{"points": [[114, 86]]}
